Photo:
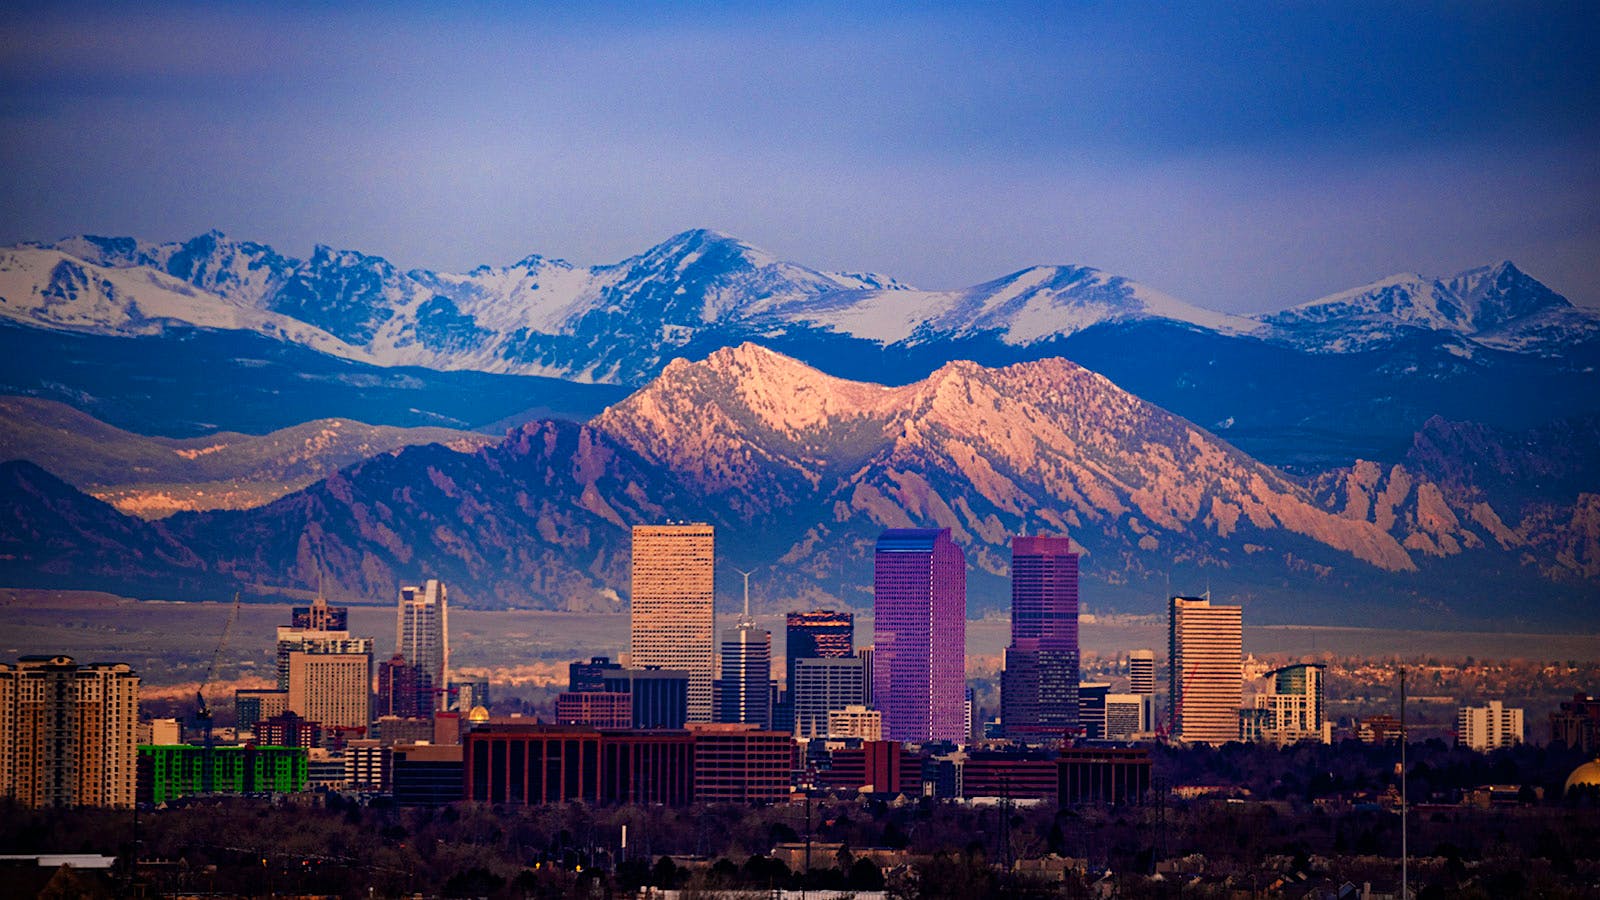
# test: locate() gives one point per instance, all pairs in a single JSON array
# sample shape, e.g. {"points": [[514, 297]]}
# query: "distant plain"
{"points": [[171, 644]]}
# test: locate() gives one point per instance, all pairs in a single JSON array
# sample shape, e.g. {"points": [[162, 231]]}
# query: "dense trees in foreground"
{"points": [[912, 849]]}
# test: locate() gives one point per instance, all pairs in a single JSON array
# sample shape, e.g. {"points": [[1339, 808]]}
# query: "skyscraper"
{"points": [[69, 731], [819, 634], [746, 694], [919, 598], [1205, 670], [333, 689], [1039, 690], [1141, 672], [821, 686], [673, 624], [422, 636], [1292, 708]]}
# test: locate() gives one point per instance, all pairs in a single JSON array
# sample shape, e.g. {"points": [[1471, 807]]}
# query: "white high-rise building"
{"points": [[422, 634], [1141, 671], [673, 606], [1206, 670], [1487, 727]]}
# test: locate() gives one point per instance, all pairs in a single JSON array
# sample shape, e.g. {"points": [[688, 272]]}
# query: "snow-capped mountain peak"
{"points": [[1496, 305]]}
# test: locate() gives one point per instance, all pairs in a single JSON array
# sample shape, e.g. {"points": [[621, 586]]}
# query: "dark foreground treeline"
{"points": [[1282, 847]]}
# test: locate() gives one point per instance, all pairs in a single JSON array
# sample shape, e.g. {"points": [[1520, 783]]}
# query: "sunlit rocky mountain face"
{"points": [[1418, 451]]}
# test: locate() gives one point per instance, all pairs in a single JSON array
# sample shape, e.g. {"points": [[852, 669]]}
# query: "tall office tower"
{"points": [[821, 686], [919, 600], [746, 694], [1141, 672], [819, 634], [1205, 653], [422, 635], [1487, 727], [67, 732], [1092, 708], [306, 640], [399, 693], [673, 607], [333, 689], [1039, 689], [319, 616], [1291, 710]]}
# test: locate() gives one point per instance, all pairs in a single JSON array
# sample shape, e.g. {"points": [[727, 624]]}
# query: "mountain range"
{"points": [[346, 334], [152, 477], [620, 323], [800, 470]]}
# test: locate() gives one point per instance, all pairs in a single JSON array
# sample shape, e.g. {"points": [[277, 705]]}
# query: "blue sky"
{"points": [[1243, 157]]}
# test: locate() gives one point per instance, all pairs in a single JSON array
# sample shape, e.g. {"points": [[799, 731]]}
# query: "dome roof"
{"points": [[478, 714], [1586, 774]]}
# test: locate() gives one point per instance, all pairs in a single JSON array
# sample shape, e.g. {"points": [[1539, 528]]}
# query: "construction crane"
{"points": [[202, 713]]}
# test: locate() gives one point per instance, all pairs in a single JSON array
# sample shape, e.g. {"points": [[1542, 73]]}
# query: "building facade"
{"points": [[660, 696], [919, 601], [823, 685], [746, 688], [422, 637], [1205, 652], [1126, 716], [333, 689], [673, 619], [1292, 709], [67, 732], [858, 722], [1038, 689], [1488, 727], [1109, 776], [167, 772], [1141, 672], [600, 709]]}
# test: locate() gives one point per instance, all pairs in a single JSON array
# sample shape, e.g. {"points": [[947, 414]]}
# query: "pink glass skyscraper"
{"points": [[919, 600]]}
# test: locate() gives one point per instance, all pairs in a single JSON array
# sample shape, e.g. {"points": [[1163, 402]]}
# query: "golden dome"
{"points": [[1586, 774], [478, 714]]}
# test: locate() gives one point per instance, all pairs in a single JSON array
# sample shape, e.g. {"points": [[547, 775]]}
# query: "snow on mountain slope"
{"points": [[1498, 306], [1023, 307], [621, 323], [48, 288]]}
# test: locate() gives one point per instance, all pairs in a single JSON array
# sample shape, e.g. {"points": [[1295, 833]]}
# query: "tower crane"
{"points": [[202, 713]]}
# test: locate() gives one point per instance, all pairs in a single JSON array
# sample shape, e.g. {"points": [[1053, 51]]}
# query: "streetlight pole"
{"points": [[1405, 893]]}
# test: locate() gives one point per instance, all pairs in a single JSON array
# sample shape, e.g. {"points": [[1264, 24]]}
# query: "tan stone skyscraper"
{"points": [[1206, 670], [674, 622], [67, 732]]}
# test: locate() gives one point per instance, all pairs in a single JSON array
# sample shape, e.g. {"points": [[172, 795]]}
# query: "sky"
{"points": [[1243, 157]]}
